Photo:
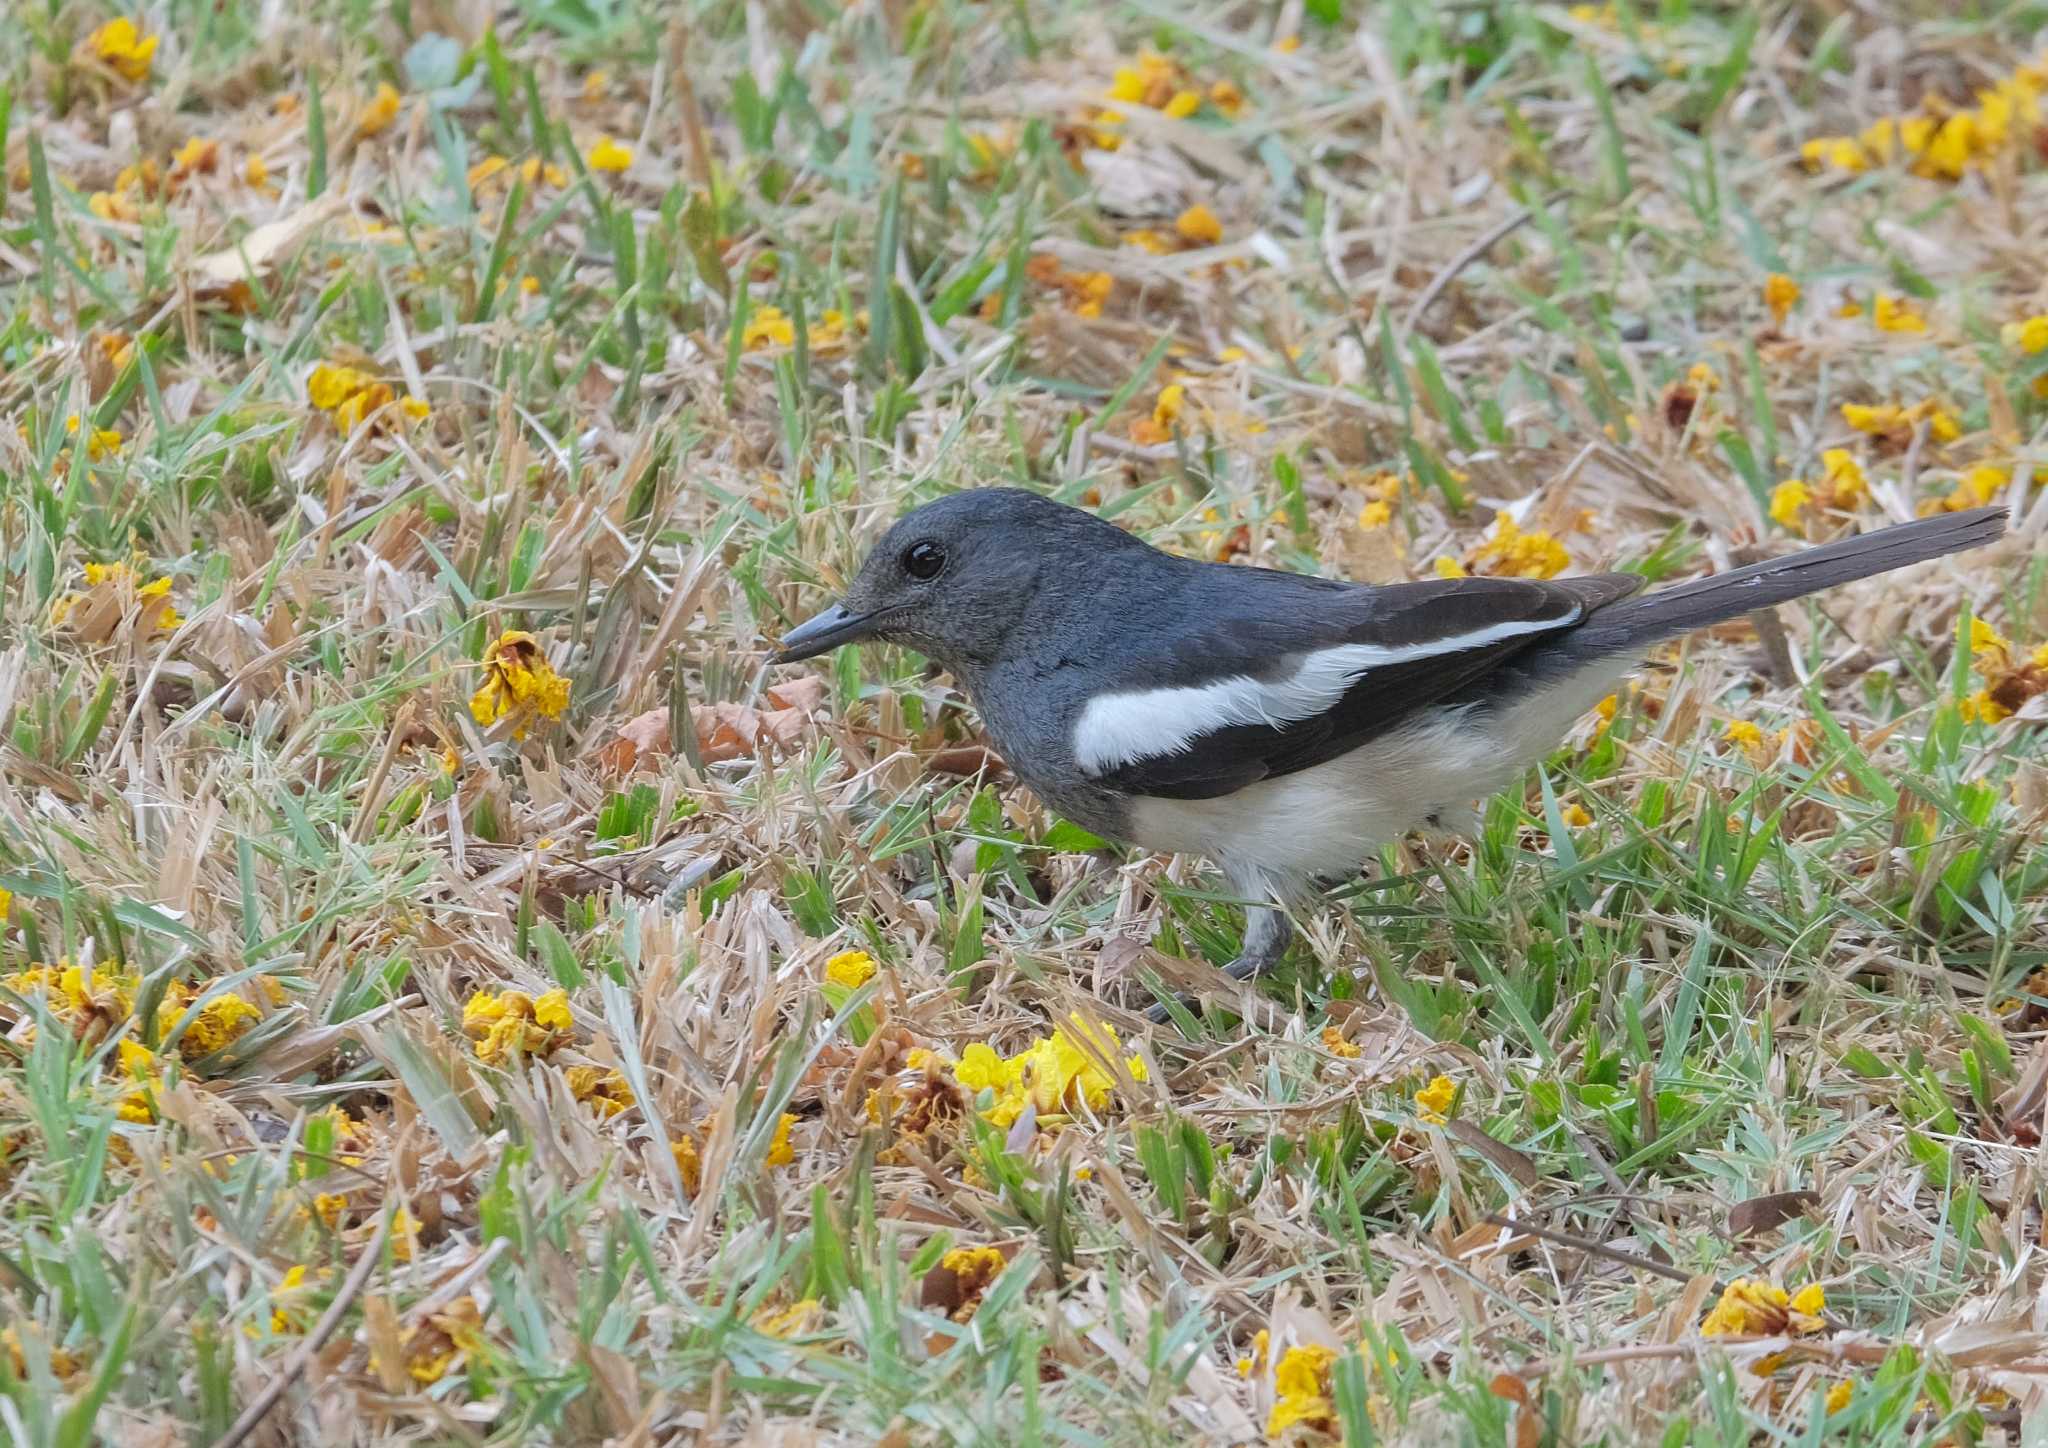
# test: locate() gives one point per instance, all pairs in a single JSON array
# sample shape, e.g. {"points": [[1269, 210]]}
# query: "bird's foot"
{"points": [[1266, 934]]}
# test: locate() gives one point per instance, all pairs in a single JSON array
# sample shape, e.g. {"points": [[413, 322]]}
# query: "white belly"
{"points": [[1328, 820]]}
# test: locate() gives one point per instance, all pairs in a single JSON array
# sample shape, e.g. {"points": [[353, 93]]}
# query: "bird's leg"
{"points": [[1266, 933]]}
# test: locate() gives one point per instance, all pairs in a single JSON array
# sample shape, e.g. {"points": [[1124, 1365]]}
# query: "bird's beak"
{"points": [[822, 633]]}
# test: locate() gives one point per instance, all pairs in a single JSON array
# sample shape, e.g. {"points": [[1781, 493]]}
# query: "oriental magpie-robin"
{"points": [[1282, 725]]}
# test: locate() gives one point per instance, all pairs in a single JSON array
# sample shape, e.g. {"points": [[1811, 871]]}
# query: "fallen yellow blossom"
{"points": [[1896, 424], [353, 397], [767, 327], [519, 684], [63, 1362], [780, 1152], [850, 968], [1841, 487], [1753, 1308], [434, 1347], [289, 1309], [1335, 1043], [609, 155], [1152, 81], [2029, 336], [379, 112], [689, 1163], [1744, 735], [974, 1270], [122, 46], [89, 1002], [1781, 294], [1301, 1384], [1059, 1075], [1084, 292], [1944, 143], [1198, 224], [1973, 489], [1838, 1396], [98, 442], [1895, 314], [217, 1025], [1255, 1360], [1433, 1102], [1508, 552], [508, 1024], [2010, 679], [605, 1092], [1166, 411], [1575, 815]]}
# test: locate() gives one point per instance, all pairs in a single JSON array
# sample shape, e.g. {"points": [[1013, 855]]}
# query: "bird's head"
{"points": [[953, 579]]}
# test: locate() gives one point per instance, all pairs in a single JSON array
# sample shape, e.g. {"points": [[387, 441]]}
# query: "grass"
{"points": [[1714, 1001]]}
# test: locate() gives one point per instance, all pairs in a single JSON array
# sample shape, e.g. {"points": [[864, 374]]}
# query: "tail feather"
{"points": [[1634, 624]]}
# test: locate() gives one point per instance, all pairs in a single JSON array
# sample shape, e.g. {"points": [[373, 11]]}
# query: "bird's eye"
{"points": [[923, 561]]}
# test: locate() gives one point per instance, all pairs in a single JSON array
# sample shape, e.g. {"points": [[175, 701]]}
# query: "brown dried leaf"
{"points": [[640, 740], [1772, 1210], [1515, 1163]]}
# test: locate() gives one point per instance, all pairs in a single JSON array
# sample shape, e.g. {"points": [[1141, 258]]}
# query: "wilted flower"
{"points": [[1781, 294], [1083, 292], [506, 1024], [1198, 224], [767, 327], [99, 441], [63, 1362], [1749, 1307], [1895, 314], [1058, 1075], [379, 112], [850, 968], [689, 1163], [1301, 1384], [605, 1092], [609, 155], [973, 1270], [780, 1152], [290, 1311], [353, 397], [1840, 488], [218, 1024], [2010, 679], [1433, 1102], [1973, 489], [1508, 552], [1941, 144], [1335, 1043], [89, 1002], [121, 44], [2029, 336], [1896, 424], [519, 684]]}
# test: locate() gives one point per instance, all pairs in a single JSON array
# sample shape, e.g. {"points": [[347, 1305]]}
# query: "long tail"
{"points": [[1634, 624]]}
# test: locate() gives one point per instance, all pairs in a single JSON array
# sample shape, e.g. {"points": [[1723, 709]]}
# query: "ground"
{"points": [[453, 989]]}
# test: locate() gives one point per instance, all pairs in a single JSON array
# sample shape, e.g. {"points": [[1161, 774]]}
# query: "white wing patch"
{"points": [[1122, 728]]}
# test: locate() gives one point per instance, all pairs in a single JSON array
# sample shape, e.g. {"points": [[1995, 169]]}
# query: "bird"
{"points": [[1282, 725]]}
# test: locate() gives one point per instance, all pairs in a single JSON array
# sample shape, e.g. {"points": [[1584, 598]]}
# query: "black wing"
{"points": [[1264, 629]]}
